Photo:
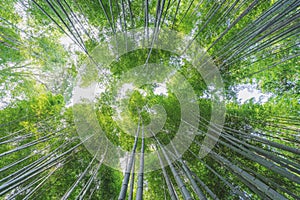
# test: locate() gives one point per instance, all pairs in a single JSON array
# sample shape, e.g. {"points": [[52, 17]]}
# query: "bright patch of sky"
{"points": [[142, 92], [248, 91], [124, 89], [70, 46], [100, 88], [27, 30], [7, 96], [81, 24], [20, 9], [161, 89]]}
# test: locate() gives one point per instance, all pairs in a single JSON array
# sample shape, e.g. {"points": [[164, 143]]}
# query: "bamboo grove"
{"points": [[253, 43]]}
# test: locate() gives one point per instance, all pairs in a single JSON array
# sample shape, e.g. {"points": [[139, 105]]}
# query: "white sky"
{"points": [[247, 91], [161, 89]]}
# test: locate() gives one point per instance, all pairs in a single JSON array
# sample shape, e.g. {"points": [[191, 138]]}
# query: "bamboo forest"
{"points": [[150, 99]]}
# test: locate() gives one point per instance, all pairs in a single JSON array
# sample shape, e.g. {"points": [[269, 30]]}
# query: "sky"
{"points": [[247, 91]]}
